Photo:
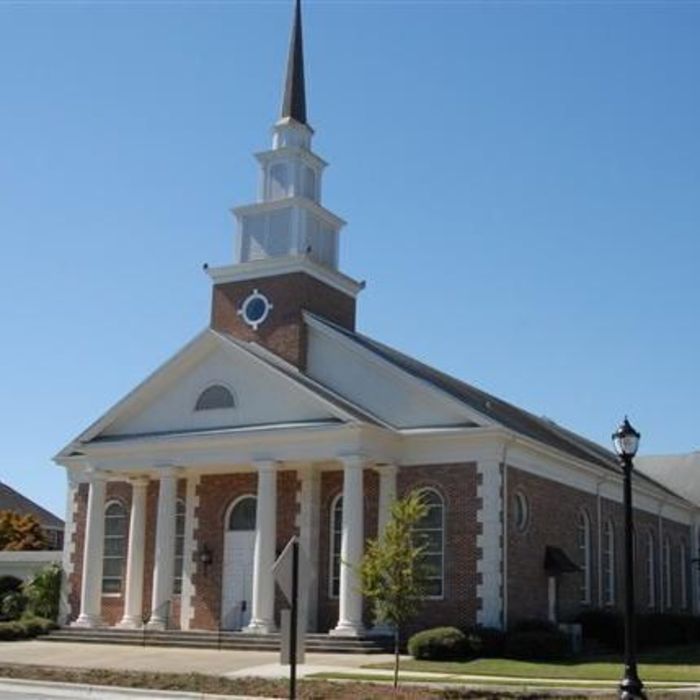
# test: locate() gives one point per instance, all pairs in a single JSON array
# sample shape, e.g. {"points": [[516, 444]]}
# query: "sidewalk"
{"points": [[166, 659], [259, 664]]}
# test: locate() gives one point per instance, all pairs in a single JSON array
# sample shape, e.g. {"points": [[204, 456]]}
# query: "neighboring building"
{"points": [[50, 524], [280, 418], [680, 473]]}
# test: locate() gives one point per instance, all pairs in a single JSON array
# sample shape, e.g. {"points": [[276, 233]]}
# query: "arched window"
{"points": [[608, 563], [651, 570], [114, 548], [683, 571], [179, 545], [521, 511], [429, 532], [215, 396], [336, 537], [583, 530], [243, 513], [668, 592]]}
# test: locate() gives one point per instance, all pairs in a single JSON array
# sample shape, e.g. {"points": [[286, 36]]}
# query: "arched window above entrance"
{"points": [[242, 515]]}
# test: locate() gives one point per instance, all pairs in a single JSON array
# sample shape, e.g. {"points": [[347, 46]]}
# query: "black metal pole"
{"points": [[631, 687], [293, 622]]}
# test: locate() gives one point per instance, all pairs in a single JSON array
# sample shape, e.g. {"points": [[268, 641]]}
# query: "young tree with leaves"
{"points": [[393, 575], [20, 533]]}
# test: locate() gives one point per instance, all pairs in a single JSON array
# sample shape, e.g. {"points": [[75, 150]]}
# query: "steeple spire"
{"points": [[294, 101]]}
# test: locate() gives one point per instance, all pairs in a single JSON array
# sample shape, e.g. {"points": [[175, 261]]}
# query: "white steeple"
{"points": [[288, 219]]}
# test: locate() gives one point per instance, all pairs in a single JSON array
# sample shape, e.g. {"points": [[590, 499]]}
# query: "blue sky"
{"points": [[521, 182]]}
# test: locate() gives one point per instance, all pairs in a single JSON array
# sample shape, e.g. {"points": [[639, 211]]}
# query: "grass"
{"points": [[307, 690], [673, 664]]}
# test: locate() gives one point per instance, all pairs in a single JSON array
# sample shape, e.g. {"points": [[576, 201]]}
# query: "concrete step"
{"points": [[216, 640]]}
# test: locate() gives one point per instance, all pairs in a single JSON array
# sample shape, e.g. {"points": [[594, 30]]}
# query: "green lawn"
{"points": [[671, 664]]}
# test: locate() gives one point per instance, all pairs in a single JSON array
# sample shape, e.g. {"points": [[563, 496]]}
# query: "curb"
{"points": [[78, 691]]}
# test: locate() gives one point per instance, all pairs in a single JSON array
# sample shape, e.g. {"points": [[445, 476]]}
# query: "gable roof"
{"points": [[291, 372], [338, 408], [16, 502], [516, 419]]}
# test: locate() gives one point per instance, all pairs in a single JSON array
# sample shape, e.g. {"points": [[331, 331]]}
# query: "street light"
{"points": [[626, 441]]}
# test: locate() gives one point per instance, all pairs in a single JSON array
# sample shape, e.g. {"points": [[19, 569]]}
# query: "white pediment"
{"points": [[165, 402], [379, 387]]}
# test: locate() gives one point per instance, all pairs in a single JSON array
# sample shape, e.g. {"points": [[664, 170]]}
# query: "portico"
{"points": [[260, 479]]}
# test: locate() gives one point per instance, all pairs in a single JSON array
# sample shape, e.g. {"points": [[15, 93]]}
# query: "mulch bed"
{"points": [[200, 683]]}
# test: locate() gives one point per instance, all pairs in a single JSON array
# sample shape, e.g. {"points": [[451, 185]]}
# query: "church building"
{"points": [[281, 418]]}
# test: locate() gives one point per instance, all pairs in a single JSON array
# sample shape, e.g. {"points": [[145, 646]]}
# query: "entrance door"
{"points": [[237, 583]]}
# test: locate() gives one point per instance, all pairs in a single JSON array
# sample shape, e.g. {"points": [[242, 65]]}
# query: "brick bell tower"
{"points": [[286, 253]]}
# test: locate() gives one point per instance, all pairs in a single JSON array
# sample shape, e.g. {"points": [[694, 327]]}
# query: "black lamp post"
{"points": [[626, 441]]}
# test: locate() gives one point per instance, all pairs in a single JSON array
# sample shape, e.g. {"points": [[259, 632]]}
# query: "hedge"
{"points": [[25, 628], [439, 644]]}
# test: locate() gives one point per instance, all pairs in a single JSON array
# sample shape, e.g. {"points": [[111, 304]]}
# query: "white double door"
{"points": [[237, 583]]}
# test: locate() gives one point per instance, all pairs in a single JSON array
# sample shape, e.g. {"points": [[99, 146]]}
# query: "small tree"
{"points": [[20, 533], [43, 592], [393, 574]]}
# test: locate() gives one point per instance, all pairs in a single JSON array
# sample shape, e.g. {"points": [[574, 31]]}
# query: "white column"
{"points": [[308, 524], [164, 560], [263, 603], [387, 496], [133, 595], [93, 551], [352, 543]]}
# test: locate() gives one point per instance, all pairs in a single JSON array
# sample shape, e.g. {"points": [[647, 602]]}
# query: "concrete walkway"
{"points": [[169, 660], [264, 664]]}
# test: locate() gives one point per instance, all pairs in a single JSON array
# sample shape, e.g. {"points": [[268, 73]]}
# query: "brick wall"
{"points": [[216, 494], [553, 511], [284, 332], [457, 485]]}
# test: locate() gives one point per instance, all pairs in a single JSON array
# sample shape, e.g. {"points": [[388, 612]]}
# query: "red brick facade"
{"points": [[284, 332], [553, 512], [552, 520]]}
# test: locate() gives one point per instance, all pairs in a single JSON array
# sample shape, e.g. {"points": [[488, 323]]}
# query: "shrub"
{"points": [[439, 644], [534, 625], [34, 626], [25, 628], [43, 591], [13, 605], [9, 584], [538, 640], [487, 642], [606, 627], [12, 630], [661, 629]]}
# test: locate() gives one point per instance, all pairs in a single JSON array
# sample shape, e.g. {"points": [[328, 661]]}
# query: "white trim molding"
{"points": [[489, 565], [272, 267], [189, 567]]}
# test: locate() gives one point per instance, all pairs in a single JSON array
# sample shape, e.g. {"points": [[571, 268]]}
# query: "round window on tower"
{"points": [[255, 309]]}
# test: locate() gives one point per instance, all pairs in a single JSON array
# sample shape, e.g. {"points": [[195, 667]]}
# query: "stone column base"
{"points": [[260, 627], [348, 629], [157, 624], [130, 623], [88, 621]]}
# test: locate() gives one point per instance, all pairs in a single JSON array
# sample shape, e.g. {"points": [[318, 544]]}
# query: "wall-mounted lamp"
{"points": [[205, 557]]}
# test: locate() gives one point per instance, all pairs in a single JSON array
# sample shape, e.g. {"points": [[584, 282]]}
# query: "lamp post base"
{"points": [[631, 688]]}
